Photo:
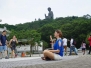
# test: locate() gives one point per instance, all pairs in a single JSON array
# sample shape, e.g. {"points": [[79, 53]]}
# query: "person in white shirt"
{"points": [[65, 45], [72, 46], [71, 42]]}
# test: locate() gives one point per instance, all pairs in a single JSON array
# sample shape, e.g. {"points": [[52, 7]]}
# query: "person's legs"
{"points": [[70, 50], [48, 54], [13, 52], [5, 52], [65, 47], [83, 51], [89, 49], [75, 50], [1, 55], [57, 57]]}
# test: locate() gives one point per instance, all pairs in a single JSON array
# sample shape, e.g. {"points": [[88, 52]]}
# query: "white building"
{"points": [[27, 48]]}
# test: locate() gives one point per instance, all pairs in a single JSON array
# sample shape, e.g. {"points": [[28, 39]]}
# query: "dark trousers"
{"points": [[89, 50]]}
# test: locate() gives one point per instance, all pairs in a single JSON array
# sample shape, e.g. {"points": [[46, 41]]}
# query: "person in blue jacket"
{"points": [[57, 52]]}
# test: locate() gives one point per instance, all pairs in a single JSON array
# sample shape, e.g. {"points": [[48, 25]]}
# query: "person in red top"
{"points": [[89, 39]]}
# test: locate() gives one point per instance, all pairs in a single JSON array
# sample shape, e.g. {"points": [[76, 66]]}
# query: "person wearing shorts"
{"points": [[3, 41], [57, 52], [0, 52], [83, 45]]}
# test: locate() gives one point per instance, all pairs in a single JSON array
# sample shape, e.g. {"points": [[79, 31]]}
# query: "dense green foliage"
{"points": [[76, 27]]}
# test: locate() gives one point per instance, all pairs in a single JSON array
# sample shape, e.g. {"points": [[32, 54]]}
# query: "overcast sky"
{"points": [[21, 11]]}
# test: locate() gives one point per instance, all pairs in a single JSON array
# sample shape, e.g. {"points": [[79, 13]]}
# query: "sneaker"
{"points": [[6, 57]]}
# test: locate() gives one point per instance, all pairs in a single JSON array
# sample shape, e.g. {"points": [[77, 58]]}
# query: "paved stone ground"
{"points": [[28, 62], [81, 61]]}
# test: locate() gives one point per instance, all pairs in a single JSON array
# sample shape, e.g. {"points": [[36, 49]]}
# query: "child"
{"points": [[83, 45]]}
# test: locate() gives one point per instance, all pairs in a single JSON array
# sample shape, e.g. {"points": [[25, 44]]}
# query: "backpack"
{"points": [[74, 42]]}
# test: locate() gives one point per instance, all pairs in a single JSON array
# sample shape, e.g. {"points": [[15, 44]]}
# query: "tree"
{"points": [[72, 26], [46, 31]]}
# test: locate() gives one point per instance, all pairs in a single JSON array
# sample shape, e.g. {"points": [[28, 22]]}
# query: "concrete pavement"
{"points": [[74, 61]]}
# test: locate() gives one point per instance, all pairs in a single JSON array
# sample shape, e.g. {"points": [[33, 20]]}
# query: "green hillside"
{"points": [[76, 27]]}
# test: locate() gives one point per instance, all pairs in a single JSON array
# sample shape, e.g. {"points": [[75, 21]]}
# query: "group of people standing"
{"points": [[4, 45], [59, 47], [72, 46]]}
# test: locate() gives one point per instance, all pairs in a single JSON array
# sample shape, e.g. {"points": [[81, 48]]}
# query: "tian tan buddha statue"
{"points": [[50, 14]]}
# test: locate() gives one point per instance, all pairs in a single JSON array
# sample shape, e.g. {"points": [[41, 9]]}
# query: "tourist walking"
{"points": [[72, 46], [3, 46], [65, 45], [57, 52], [89, 39], [83, 46], [12, 44]]}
